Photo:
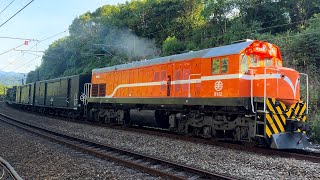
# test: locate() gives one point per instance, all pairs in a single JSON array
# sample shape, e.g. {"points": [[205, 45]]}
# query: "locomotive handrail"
{"points": [[251, 90], [307, 101], [189, 86], [86, 93], [265, 87]]}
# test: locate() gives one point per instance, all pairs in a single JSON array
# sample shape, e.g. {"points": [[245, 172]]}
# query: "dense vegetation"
{"points": [[2, 91], [148, 28]]}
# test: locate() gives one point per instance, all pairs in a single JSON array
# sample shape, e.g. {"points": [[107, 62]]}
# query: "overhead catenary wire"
{"points": [[16, 13], [11, 49], [26, 63], [7, 7], [38, 42], [22, 50], [17, 38]]}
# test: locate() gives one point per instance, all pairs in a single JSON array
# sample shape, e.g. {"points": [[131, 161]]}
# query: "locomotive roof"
{"points": [[206, 53]]}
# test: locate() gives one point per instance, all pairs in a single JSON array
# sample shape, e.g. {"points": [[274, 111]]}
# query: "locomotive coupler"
{"points": [[293, 125]]}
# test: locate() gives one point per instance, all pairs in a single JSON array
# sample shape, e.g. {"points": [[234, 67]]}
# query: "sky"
{"points": [[40, 20]]}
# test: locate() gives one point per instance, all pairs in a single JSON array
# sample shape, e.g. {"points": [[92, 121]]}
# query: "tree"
{"points": [[172, 46]]}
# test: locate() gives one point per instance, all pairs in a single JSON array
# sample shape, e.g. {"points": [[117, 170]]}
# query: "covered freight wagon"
{"points": [[24, 94], [62, 93]]}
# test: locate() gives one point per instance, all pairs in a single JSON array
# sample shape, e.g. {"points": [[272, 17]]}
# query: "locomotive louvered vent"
{"points": [[94, 90], [102, 89]]}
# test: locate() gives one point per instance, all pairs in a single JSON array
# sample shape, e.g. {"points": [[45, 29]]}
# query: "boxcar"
{"points": [[61, 93], [24, 94]]}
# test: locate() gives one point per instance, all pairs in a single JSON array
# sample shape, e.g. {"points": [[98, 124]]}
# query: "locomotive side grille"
{"points": [[102, 89], [94, 90]]}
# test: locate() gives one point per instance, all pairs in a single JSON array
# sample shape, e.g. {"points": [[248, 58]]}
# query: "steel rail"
{"points": [[14, 175], [297, 154], [148, 164]]}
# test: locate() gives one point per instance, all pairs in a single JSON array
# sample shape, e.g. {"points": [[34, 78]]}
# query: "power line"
{"points": [[11, 49], [292, 36], [45, 39], [21, 50], [17, 38], [38, 57], [16, 13], [25, 63], [53, 36], [7, 6]]}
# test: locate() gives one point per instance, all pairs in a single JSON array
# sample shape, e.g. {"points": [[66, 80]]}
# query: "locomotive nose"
{"points": [[288, 86]]}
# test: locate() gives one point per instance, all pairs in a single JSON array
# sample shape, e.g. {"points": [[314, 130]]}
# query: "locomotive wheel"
{"points": [[94, 115], [106, 119], [193, 131], [207, 132]]}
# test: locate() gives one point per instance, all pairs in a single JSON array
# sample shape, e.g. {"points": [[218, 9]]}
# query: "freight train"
{"points": [[238, 92]]}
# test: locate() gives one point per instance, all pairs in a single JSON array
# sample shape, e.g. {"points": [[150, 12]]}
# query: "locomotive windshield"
{"points": [[257, 61]]}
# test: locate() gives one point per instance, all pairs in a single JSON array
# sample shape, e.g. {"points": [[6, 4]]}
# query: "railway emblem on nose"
{"points": [[218, 85]]}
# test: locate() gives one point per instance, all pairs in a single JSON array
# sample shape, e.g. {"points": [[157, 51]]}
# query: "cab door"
{"points": [[169, 79]]}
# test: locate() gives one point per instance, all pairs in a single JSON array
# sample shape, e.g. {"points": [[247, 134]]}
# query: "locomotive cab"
{"points": [[275, 96]]}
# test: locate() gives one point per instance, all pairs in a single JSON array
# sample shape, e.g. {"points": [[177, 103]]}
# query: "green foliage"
{"points": [[3, 89], [303, 51], [171, 45], [315, 126]]}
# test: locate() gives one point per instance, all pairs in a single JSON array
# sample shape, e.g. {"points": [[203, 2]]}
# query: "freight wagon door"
{"points": [[40, 93], [64, 91], [69, 94]]}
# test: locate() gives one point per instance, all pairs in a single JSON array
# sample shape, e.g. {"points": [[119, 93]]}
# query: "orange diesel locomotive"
{"points": [[237, 92]]}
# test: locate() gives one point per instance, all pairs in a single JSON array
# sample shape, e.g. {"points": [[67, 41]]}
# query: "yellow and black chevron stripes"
{"points": [[297, 111], [275, 119], [278, 113]]}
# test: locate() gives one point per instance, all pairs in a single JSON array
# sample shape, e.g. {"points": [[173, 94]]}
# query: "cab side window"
{"points": [[224, 67], [215, 66], [220, 66], [243, 63]]}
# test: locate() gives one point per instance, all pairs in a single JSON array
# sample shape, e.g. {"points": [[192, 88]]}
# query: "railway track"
{"points": [[7, 171], [299, 154], [296, 154], [148, 164]]}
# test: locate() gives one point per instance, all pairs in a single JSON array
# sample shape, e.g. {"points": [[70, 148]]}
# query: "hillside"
{"points": [[11, 78]]}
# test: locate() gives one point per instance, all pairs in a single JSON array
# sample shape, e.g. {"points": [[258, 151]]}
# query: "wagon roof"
{"points": [[206, 53], [58, 78]]}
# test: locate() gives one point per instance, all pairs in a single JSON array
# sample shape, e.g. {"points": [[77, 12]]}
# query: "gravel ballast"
{"points": [[236, 163], [37, 158]]}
